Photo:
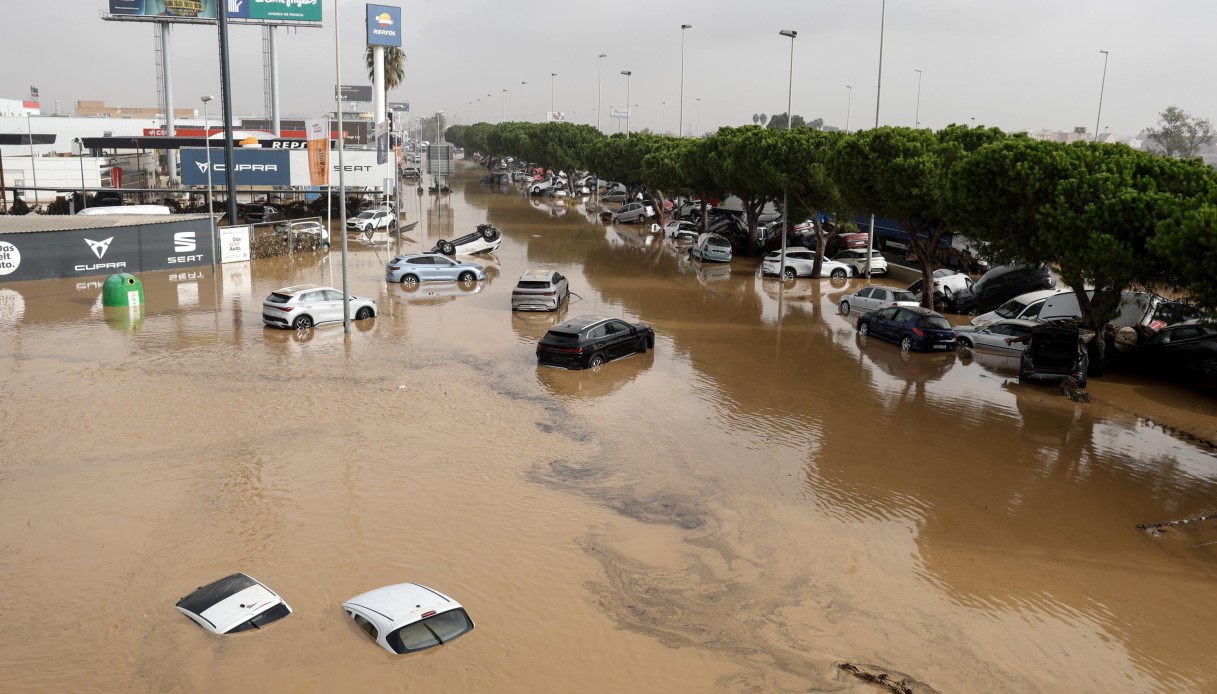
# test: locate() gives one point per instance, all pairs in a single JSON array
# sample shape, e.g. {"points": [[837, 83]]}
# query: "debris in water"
{"points": [[896, 682], [401, 387], [1070, 389], [1156, 529]]}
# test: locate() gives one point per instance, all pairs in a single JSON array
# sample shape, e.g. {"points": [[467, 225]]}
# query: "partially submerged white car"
{"points": [[408, 617], [233, 604], [485, 240]]}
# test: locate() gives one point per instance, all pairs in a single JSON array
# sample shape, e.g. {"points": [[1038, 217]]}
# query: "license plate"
{"points": [[942, 346]]}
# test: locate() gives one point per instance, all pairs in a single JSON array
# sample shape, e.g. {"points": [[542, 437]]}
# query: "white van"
{"points": [[124, 209]]}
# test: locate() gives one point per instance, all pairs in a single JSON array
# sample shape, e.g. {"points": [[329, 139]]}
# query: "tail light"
{"points": [[918, 332], [394, 267]]}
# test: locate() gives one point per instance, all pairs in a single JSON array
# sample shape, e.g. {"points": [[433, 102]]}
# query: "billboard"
{"points": [[254, 167], [105, 250], [384, 25], [318, 152], [260, 11], [355, 92], [359, 169]]}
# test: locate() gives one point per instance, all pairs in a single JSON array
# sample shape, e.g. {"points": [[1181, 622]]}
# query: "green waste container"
{"points": [[122, 290]]}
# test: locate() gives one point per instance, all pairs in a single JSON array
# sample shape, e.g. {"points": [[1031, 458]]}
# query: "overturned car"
{"points": [[486, 239]]}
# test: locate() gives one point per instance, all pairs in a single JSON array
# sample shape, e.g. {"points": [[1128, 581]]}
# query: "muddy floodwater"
{"points": [[760, 499]]}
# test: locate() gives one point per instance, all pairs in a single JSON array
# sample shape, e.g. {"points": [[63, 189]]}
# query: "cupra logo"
{"points": [[384, 20], [99, 248], [202, 166]]}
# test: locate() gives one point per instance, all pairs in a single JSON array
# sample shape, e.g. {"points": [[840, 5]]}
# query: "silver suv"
{"points": [[540, 290]]}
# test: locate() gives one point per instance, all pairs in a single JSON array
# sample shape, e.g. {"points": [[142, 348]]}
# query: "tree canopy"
{"points": [[1179, 133]]}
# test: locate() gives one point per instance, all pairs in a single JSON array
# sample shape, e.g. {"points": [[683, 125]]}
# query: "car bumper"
{"points": [[559, 359], [275, 321], [534, 303]]}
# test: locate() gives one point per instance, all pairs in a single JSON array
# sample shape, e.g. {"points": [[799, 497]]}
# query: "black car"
{"points": [[910, 327], [1054, 352], [1001, 284], [589, 341], [1185, 351], [257, 212]]}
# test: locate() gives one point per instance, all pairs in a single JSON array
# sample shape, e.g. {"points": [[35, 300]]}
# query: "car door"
{"points": [[623, 337], [444, 268], [597, 341], [313, 303], [422, 267], [333, 305], [862, 300], [881, 297], [881, 323], [994, 337], [800, 261]]}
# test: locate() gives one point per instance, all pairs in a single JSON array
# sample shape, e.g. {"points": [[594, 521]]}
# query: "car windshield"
{"points": [[903, 296], [933, 322], [1011, 308], [277, 298], [433, 631]]}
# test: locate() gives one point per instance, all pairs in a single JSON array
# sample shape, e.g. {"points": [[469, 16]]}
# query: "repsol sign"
{"points": [[251, 167]]}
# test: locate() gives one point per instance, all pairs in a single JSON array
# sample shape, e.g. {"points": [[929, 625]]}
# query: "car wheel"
{"points": [[973, 312], [965, 342], [488, 233], [642, 346], [838, 274], [789, 273], [446, 247], [302, 323], [863, 329], [411, 281], [843, 308], [1208, 367], [363, 313], [467, 277], [906, 343], [595, 361]]}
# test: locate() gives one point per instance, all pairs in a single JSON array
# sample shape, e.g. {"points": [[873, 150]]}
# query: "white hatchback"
{"points": [[304, 305], [408, 617]]}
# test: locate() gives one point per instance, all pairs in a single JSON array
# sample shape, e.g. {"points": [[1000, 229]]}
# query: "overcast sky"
{"points": [[1027, 65]]}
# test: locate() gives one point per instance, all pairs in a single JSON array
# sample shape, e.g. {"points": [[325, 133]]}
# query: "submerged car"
{"points": [[486, 239], [910, 327], [947, 283], [681, 230], [995, 336], [800, 262], [875, 298], [1001, 284], [1025, 306], [540, 290], [1054, 352], [369, 220], [1184, 351], [412, 269], [304, 305], [711, 247], [633, 212], [590, 341], [259, 212], [304, 234], [233, 604], [856, 258], [408, 617]]}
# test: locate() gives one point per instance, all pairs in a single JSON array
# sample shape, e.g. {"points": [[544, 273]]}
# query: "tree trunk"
{"points": [[925, 251]]}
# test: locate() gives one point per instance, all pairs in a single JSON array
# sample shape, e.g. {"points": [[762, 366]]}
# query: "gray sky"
{"points": [[1030, 64]]}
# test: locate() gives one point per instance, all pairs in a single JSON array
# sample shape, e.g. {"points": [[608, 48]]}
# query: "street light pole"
{"points": [[789, 94], [1102, 86], [504, 105], [681, 126], [917, 112], [698, 121], [552, 75], [849, 97], [342, 186], [211, 218], [870, 233], [627, 74], [663, 110], [599, 64], [523, 111]]}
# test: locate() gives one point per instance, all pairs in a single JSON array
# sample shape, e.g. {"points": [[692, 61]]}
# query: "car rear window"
{"points": [[717, 243], [561, 338], [903, 296], [933, 322], [529, 284], [441, 628], [277, 298]]}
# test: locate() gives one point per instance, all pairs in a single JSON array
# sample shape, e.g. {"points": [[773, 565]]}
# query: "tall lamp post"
{"points": [[504, 104], [663, 110], [552, 75], [849, 97], [599, 64], [917, 111], [1102, 86], [210, 208], [870, 233], [681, 126], [523, 111], [627, 74], [698, 121], [791, 34]]}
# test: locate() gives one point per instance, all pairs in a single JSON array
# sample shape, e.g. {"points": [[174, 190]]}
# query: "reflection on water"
{"points": [[765, 492]]}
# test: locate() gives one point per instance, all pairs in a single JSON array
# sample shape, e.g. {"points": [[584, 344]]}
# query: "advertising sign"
{"points": [[234, 244], [399, 105], [355, 92], [384, 26], [105, 250], [359, 169], [254, 167], [261, 11], [619, 113], [555, 116], [318, 152]]}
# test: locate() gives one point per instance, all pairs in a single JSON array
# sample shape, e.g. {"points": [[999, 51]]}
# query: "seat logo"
{"points": [[184, 242], [99, 248]]}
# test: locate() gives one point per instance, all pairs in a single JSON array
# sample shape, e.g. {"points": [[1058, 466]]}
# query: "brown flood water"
{"points": [[760, 498]]}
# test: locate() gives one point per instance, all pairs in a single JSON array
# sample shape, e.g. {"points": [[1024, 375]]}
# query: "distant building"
{"points": [[98, 109], [18, 108]]}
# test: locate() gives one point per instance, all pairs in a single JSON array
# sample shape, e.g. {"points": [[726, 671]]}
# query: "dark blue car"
{"points": [[910, 327]]}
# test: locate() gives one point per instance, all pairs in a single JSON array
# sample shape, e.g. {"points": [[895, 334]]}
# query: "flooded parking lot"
{"points": [[761, 498]]}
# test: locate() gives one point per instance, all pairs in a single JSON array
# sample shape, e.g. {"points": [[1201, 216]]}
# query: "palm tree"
{"points": [[395, 67]]}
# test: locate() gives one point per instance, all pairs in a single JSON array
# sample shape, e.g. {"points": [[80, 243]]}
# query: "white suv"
{"points": [[540, 290], [856, 258], [799, 263], [304, 305], [372, 219]]}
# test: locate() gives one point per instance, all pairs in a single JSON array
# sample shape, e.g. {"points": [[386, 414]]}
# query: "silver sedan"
{"points": [[992, 337]]}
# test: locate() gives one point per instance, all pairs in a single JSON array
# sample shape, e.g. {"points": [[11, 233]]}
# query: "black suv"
{"points": [[589, 341], [1001, 284]]}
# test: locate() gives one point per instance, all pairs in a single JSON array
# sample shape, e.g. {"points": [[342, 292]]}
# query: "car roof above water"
{"points": [[578, 324], [297, 288], [536, 274]]}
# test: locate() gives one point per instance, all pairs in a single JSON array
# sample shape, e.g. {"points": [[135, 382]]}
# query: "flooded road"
{"points": [[762, 497]]}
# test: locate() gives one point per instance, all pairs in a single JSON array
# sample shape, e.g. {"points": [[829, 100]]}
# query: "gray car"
{"points": [[631, 212], [540, 290], [410, 270], [993, 336]]}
